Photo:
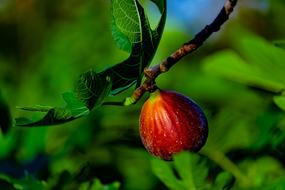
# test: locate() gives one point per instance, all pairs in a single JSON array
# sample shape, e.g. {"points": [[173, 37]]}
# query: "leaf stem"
{"points": [[151, 73], [224, 162]]}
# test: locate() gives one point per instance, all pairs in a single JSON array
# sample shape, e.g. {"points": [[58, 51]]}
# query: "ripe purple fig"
{"points": [[170, 123]]}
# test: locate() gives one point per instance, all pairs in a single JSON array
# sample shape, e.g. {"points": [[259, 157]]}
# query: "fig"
{"points": [[170, 123]]}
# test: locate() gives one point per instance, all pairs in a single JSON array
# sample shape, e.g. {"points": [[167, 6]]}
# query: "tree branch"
{"points": [[151, 73]]}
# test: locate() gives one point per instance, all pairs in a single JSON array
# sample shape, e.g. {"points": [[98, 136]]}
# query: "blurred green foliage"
{"points": [[133, 34], [237, 77]]}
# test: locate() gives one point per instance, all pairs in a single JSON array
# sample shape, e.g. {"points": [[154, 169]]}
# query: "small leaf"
{"points": [[74, 109], [164, 172], [194, 168], [183, 165], [97, 185], [191, 168], [53, 117], [92, 88], [37, 108], [280, 101], [224, 181]]}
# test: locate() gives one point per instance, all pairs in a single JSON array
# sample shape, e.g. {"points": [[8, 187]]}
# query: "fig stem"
{"points": [[151, 73]]}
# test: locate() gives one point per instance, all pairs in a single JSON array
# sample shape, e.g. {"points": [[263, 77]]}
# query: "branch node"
{"points": [[163, 68], [151, 73]]}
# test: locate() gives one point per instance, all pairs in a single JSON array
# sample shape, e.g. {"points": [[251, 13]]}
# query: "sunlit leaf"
{"points": [[262, 65], [264, 56], [230, 65]]}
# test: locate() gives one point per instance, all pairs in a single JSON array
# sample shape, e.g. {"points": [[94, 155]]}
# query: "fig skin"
{"points": [[170, 123]]}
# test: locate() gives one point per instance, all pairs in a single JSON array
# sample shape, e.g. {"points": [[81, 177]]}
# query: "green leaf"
{"points": [[38, 108], [230, 65], [183, 165], [92, 88], [55, 115], [192, 173], [191, 168], [126, 26], [195, 168], [132, 32], [164, 172], [121, 39], [76, 107], [131, 27], [97, 185], [262, 171], [278, 184], [280, 101], [260, 64], [223, 181]]}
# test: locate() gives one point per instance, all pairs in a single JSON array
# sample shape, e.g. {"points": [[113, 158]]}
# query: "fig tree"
{"points": [[171, 122]]}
